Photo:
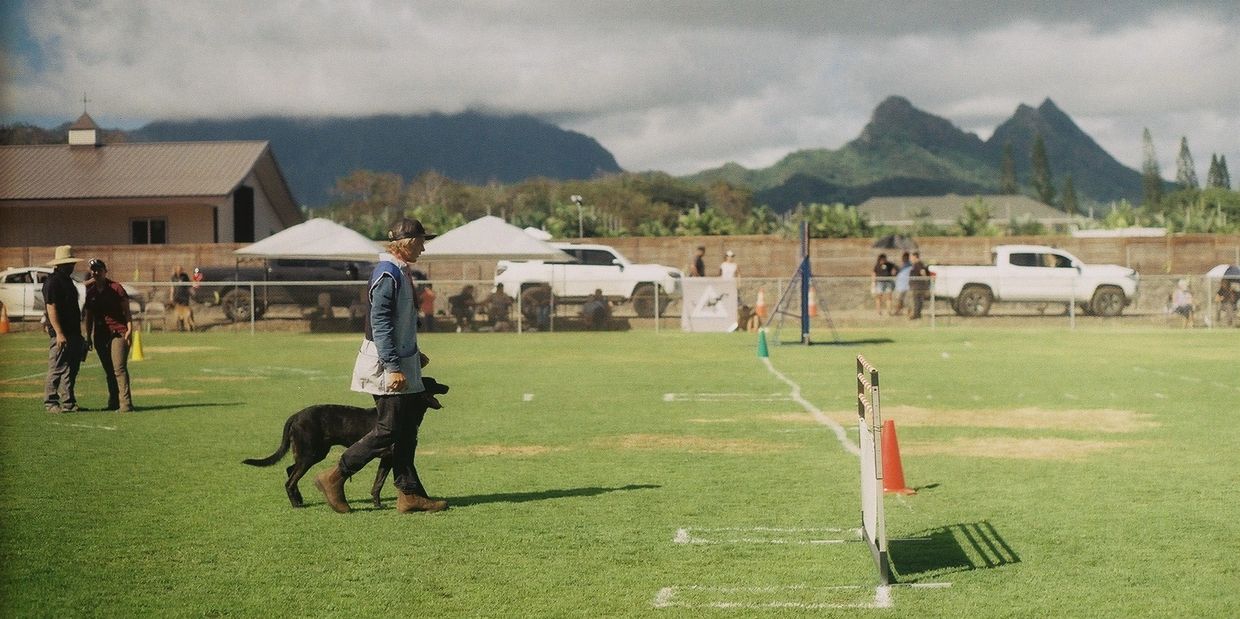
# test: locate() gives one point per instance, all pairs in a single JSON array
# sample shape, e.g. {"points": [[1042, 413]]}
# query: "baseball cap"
{"points": [[97, 265]]}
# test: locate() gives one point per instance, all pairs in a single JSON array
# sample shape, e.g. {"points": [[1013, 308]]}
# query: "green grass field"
{"points": [[1061, 473]]}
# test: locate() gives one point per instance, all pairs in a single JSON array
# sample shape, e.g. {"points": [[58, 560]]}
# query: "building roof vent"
{"points": [[84, 132]]}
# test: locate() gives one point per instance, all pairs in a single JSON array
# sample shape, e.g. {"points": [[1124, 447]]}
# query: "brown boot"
{"points": [[331, 484], [406, 503]]}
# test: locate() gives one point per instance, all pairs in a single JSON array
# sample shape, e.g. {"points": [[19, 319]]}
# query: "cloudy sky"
{"points": [[668, 85]]}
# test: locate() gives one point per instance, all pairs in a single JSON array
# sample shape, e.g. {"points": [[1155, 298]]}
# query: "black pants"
{"points": [[919, 299], [396, 428]]}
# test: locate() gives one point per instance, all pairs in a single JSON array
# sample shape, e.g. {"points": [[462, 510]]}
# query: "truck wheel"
{"points": [[643, 301], [236, 305], [1107, 301], [974, 300]]}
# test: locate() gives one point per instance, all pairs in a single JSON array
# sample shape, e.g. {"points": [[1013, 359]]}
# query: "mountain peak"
{"points": [[897, 120]]}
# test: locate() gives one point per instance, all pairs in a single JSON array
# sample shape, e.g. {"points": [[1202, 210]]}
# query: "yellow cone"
{"points": [[135, 347]]}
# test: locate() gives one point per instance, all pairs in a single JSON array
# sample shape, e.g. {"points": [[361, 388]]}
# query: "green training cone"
{"points": [[762, 351]]}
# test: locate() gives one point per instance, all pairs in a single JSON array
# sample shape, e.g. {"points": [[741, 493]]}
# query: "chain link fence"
{"points": [[471, 306]]}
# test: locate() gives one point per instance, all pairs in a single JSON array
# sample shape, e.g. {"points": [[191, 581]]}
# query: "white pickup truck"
{"points": [[594, 267], [1038, 274]]}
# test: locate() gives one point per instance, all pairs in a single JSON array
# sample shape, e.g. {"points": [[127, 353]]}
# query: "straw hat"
{"points": [[64, 255]]}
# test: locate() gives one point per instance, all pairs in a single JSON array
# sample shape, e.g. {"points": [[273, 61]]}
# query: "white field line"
{"points": [[1185, 378], [81, 425], [755, 535], [668, 597], [840, 433], [724, 397], [28, 377]]}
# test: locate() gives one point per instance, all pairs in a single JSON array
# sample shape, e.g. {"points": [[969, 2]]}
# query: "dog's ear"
{"points": [[433, 386], [431, 402]]}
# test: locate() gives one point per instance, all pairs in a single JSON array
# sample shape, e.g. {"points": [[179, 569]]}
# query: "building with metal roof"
{"points": [[907, 211], [89, 193]]}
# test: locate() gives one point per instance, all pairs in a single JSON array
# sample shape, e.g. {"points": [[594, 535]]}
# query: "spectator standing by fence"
{"points": [[901, 285], [919, 284], [728, 267], [882, 283], [697, 268], [179, 297], [426, 306]]}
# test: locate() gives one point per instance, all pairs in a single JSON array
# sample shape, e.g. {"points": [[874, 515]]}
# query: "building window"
{"points": [[148, 232]]}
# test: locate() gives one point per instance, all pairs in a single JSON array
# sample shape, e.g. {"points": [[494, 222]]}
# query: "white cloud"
{"points": [[676, 86]]}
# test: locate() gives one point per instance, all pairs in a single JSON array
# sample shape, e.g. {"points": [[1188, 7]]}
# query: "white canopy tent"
{"points": [[317, 239], [489, 238]]}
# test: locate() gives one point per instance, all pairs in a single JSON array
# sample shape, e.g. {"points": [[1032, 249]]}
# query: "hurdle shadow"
{"points": [[542, 495], [840, 342], [950, 549]]}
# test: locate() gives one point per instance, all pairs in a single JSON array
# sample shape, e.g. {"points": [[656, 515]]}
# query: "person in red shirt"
{"points": [[426, 304], [108, 327]]}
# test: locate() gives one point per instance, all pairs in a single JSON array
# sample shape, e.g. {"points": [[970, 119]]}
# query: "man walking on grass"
{"points": [[389, 367]]}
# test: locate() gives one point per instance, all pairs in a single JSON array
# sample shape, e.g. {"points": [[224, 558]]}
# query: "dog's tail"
{"points": [[280, 451]]}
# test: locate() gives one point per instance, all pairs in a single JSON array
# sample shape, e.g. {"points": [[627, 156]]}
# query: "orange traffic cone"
{"points": [[893, 470], [759, 307], [4, 319], [813, 305]]}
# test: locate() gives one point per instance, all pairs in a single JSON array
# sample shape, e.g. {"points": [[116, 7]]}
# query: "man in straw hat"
{"points": [[389, 367], [63, 317]]}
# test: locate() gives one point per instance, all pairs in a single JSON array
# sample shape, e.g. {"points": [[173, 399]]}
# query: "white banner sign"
{"points": [[709, 304]]}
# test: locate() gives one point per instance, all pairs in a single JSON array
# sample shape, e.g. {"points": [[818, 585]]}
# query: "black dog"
{"points": [[313, 430]]}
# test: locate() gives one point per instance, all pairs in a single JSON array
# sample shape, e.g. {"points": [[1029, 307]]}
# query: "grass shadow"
{"points": [[950, 549]]}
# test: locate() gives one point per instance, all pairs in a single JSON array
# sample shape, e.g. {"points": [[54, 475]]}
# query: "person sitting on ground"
{"points": [[1227, 295], [597, 311], [462, 307], [536, 307], [498, 305], [1182, 302]]}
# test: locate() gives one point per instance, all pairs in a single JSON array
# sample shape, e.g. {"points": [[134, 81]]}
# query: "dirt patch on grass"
{"points": [[178, 349], [18, 394], [1013, 448], [164, 391], [1100, 420], [694, 444], [34, 382], [228, 379], [808, 419], [495, 450]]}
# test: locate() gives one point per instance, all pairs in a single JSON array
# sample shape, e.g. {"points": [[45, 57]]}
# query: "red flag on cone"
{"points": [[4, 319], [813, 305], [893, 470]]}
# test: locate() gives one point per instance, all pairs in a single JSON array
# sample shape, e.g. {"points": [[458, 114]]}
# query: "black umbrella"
{"points": [[895, 241]]}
